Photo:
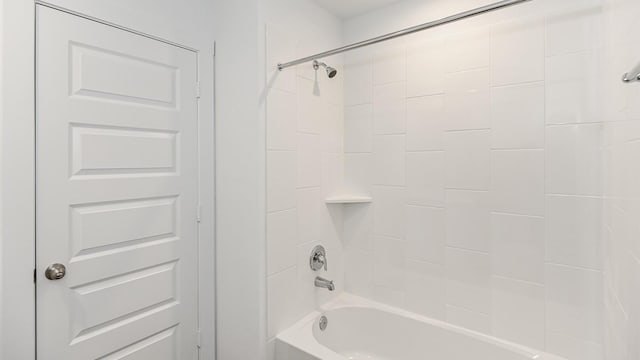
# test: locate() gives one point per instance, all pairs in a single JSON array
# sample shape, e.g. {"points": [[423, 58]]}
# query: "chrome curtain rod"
{"points": [[407, 31]]}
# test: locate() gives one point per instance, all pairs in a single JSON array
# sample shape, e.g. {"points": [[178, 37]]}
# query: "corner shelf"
{"points": [[348, 199]]}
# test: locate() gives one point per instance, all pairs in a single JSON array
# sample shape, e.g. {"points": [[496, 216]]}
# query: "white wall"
{"points": [[622, 151], [304, 161], [240, 181], [185, 22], [17, 223], [480, 144]]}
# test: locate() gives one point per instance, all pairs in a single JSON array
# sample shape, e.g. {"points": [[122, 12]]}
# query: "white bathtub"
{"points": [[359, 329]]}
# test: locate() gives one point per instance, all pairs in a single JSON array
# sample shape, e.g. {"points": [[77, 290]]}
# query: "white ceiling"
{"points": [[349, 8]]}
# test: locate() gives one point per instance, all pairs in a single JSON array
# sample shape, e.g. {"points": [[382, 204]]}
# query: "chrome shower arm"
{"points": [[633, 75]]}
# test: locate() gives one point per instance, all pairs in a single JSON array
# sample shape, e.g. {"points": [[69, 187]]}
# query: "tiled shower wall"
{"points": [[622, 183], [304, 115], [481, 147]]}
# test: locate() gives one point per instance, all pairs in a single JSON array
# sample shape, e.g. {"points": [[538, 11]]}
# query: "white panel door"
{"points": [[116, 193]]}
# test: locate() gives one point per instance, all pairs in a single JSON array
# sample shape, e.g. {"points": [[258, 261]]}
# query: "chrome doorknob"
{"points": [[55, 272]]}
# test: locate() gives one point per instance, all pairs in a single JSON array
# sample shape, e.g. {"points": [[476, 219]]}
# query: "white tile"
{"points": [[468, 219], [311, 109], [281, 240], [573, 32], [389, 211], [426, 234], [468, 160], [634, 317], [425, 289], [425, 123], [574, 302], [282, 309], [517, 181], [518, 312], [309, 160], [389, 108], [618, 327], [388, 296], [332, 129], [518, 116], [271, 350], [281, 120], [425, 69], [281, 180], [358, 276], [358, 128], [331, 228], [358, 173], [517, 247], [574, 228], [571, 7], [467, 100], [389, 160], [358, 226], [332, 170], [633, 232], [517, 52], [573, 159], [633, 97], [469, 280], [572, 348], [425, 178], [468, 319], [614, 92], [309, 207], [389, 259], [389, 64], [305, 70], [573, 89], [358, 79], [468, 50], [280, 45]]}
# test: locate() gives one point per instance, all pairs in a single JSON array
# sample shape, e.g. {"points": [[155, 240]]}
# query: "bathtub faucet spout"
{"points": [[324, 283]]}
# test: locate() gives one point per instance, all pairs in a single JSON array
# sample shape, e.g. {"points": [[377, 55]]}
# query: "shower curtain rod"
{"points": [[407, 31]]}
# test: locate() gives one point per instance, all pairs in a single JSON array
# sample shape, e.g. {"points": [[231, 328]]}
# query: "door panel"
{"points": [[116, 193], [104, 151], [129, 79]]}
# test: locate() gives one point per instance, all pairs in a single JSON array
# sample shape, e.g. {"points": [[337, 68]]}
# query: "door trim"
{"points": [[17, 185]]}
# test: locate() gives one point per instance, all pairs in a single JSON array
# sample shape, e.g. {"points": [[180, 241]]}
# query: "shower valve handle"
{"points": [[323, 260], [318, 258]]}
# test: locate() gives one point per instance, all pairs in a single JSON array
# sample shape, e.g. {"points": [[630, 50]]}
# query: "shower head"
{"points": [[331, 72]]}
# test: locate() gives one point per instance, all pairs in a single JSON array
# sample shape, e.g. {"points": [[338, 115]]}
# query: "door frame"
{"points": [[17, 184]]}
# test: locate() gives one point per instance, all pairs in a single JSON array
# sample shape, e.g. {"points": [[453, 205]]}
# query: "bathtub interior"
{"points": [[360, 329]]}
